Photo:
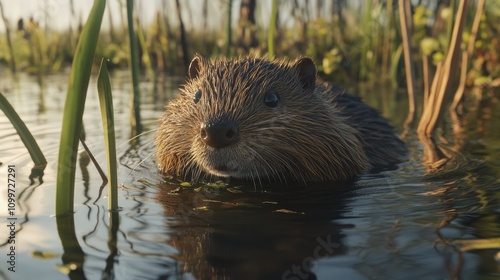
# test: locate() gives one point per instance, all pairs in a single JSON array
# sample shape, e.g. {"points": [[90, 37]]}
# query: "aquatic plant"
{"points": [[24, 133], [229, 29], [9, 41], [272, 28], [108, 124], [404, 18], [135, 99], [442, 78], [74, 107]]}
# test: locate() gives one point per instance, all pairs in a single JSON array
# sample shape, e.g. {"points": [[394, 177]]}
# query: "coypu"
{"points": [[255, 118]]}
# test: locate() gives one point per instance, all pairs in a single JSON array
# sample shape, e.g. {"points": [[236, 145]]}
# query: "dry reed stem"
{"points": [[441, 81], [405, 21], [468, 54], [427, 78]]}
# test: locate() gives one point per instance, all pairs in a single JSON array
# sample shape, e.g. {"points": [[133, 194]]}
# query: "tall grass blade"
{"points": [[272, 30], [135, 100], [74, 106], [229, 28], [108, 123], [9, 42], [146, 57], [368, 44], [23, 132], [182, 31]]}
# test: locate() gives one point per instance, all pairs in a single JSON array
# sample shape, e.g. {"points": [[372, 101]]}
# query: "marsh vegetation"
{"points": [[431, 67]]}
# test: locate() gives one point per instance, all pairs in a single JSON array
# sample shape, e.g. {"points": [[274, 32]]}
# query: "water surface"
{"points": [[402, 224]]}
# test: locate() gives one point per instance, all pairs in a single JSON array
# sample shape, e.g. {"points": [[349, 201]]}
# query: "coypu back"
{"points": [[265, 119], [383, 148]]}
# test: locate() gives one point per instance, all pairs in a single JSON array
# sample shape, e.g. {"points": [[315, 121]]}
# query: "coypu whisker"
{"points": [[137, 136], [272, 171], [276, 157]]}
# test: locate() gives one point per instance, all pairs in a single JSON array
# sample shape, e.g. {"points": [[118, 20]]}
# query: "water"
{"points": [[403, 224]]}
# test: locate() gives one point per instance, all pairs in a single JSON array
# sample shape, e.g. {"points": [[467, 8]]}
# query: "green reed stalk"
{"points": [[108, 123], [146, 58], [135, 100], [228, 27], [272, 30], [368, 41], [23, 132], [9, 42], [73, 108]]}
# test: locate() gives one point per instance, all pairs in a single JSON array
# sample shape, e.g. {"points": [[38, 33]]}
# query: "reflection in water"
{"points": [[439, 151], [37, 173], [254, 235], [114, 225], [73, 256], [84, 160], [403, 224]]}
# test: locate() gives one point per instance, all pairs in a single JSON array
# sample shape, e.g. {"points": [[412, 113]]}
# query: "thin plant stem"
{"points": [[272, 30], [135, 99], [404, 18], [108, 123]]}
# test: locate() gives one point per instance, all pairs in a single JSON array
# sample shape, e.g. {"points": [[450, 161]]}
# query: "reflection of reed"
{"points": [[433, 156], [468, 183], [437, 154], [23, 202], [114, 225], [84, 161], [455, 261], [86, 237], [73, 255]]}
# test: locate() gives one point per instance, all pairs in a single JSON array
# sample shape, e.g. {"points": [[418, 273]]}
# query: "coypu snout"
{"points": [[219, 132]]}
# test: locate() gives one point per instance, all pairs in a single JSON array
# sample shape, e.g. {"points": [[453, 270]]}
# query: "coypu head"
{"points": [[257, 119]]}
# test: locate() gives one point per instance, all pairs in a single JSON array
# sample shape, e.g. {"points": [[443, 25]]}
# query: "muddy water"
{"points": [[401, 224]]}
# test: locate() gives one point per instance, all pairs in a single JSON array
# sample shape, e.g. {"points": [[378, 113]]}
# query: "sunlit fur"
{"points": [[305, 138]]}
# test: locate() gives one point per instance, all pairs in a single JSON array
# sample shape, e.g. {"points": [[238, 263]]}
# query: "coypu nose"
{"points": [[219, 132]]}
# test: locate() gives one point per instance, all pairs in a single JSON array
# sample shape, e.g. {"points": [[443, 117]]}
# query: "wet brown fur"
{"points": [[310, 136]]}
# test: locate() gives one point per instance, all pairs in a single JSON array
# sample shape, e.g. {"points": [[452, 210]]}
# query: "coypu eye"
{"points": [[197, 96], [272, 99]]}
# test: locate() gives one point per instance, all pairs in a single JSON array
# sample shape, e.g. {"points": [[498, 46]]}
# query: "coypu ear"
{"points": [[194, 67], [307, 72]]}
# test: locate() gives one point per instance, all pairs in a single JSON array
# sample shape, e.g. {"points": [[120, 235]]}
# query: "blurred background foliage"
{"points": [[349, 40]]}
